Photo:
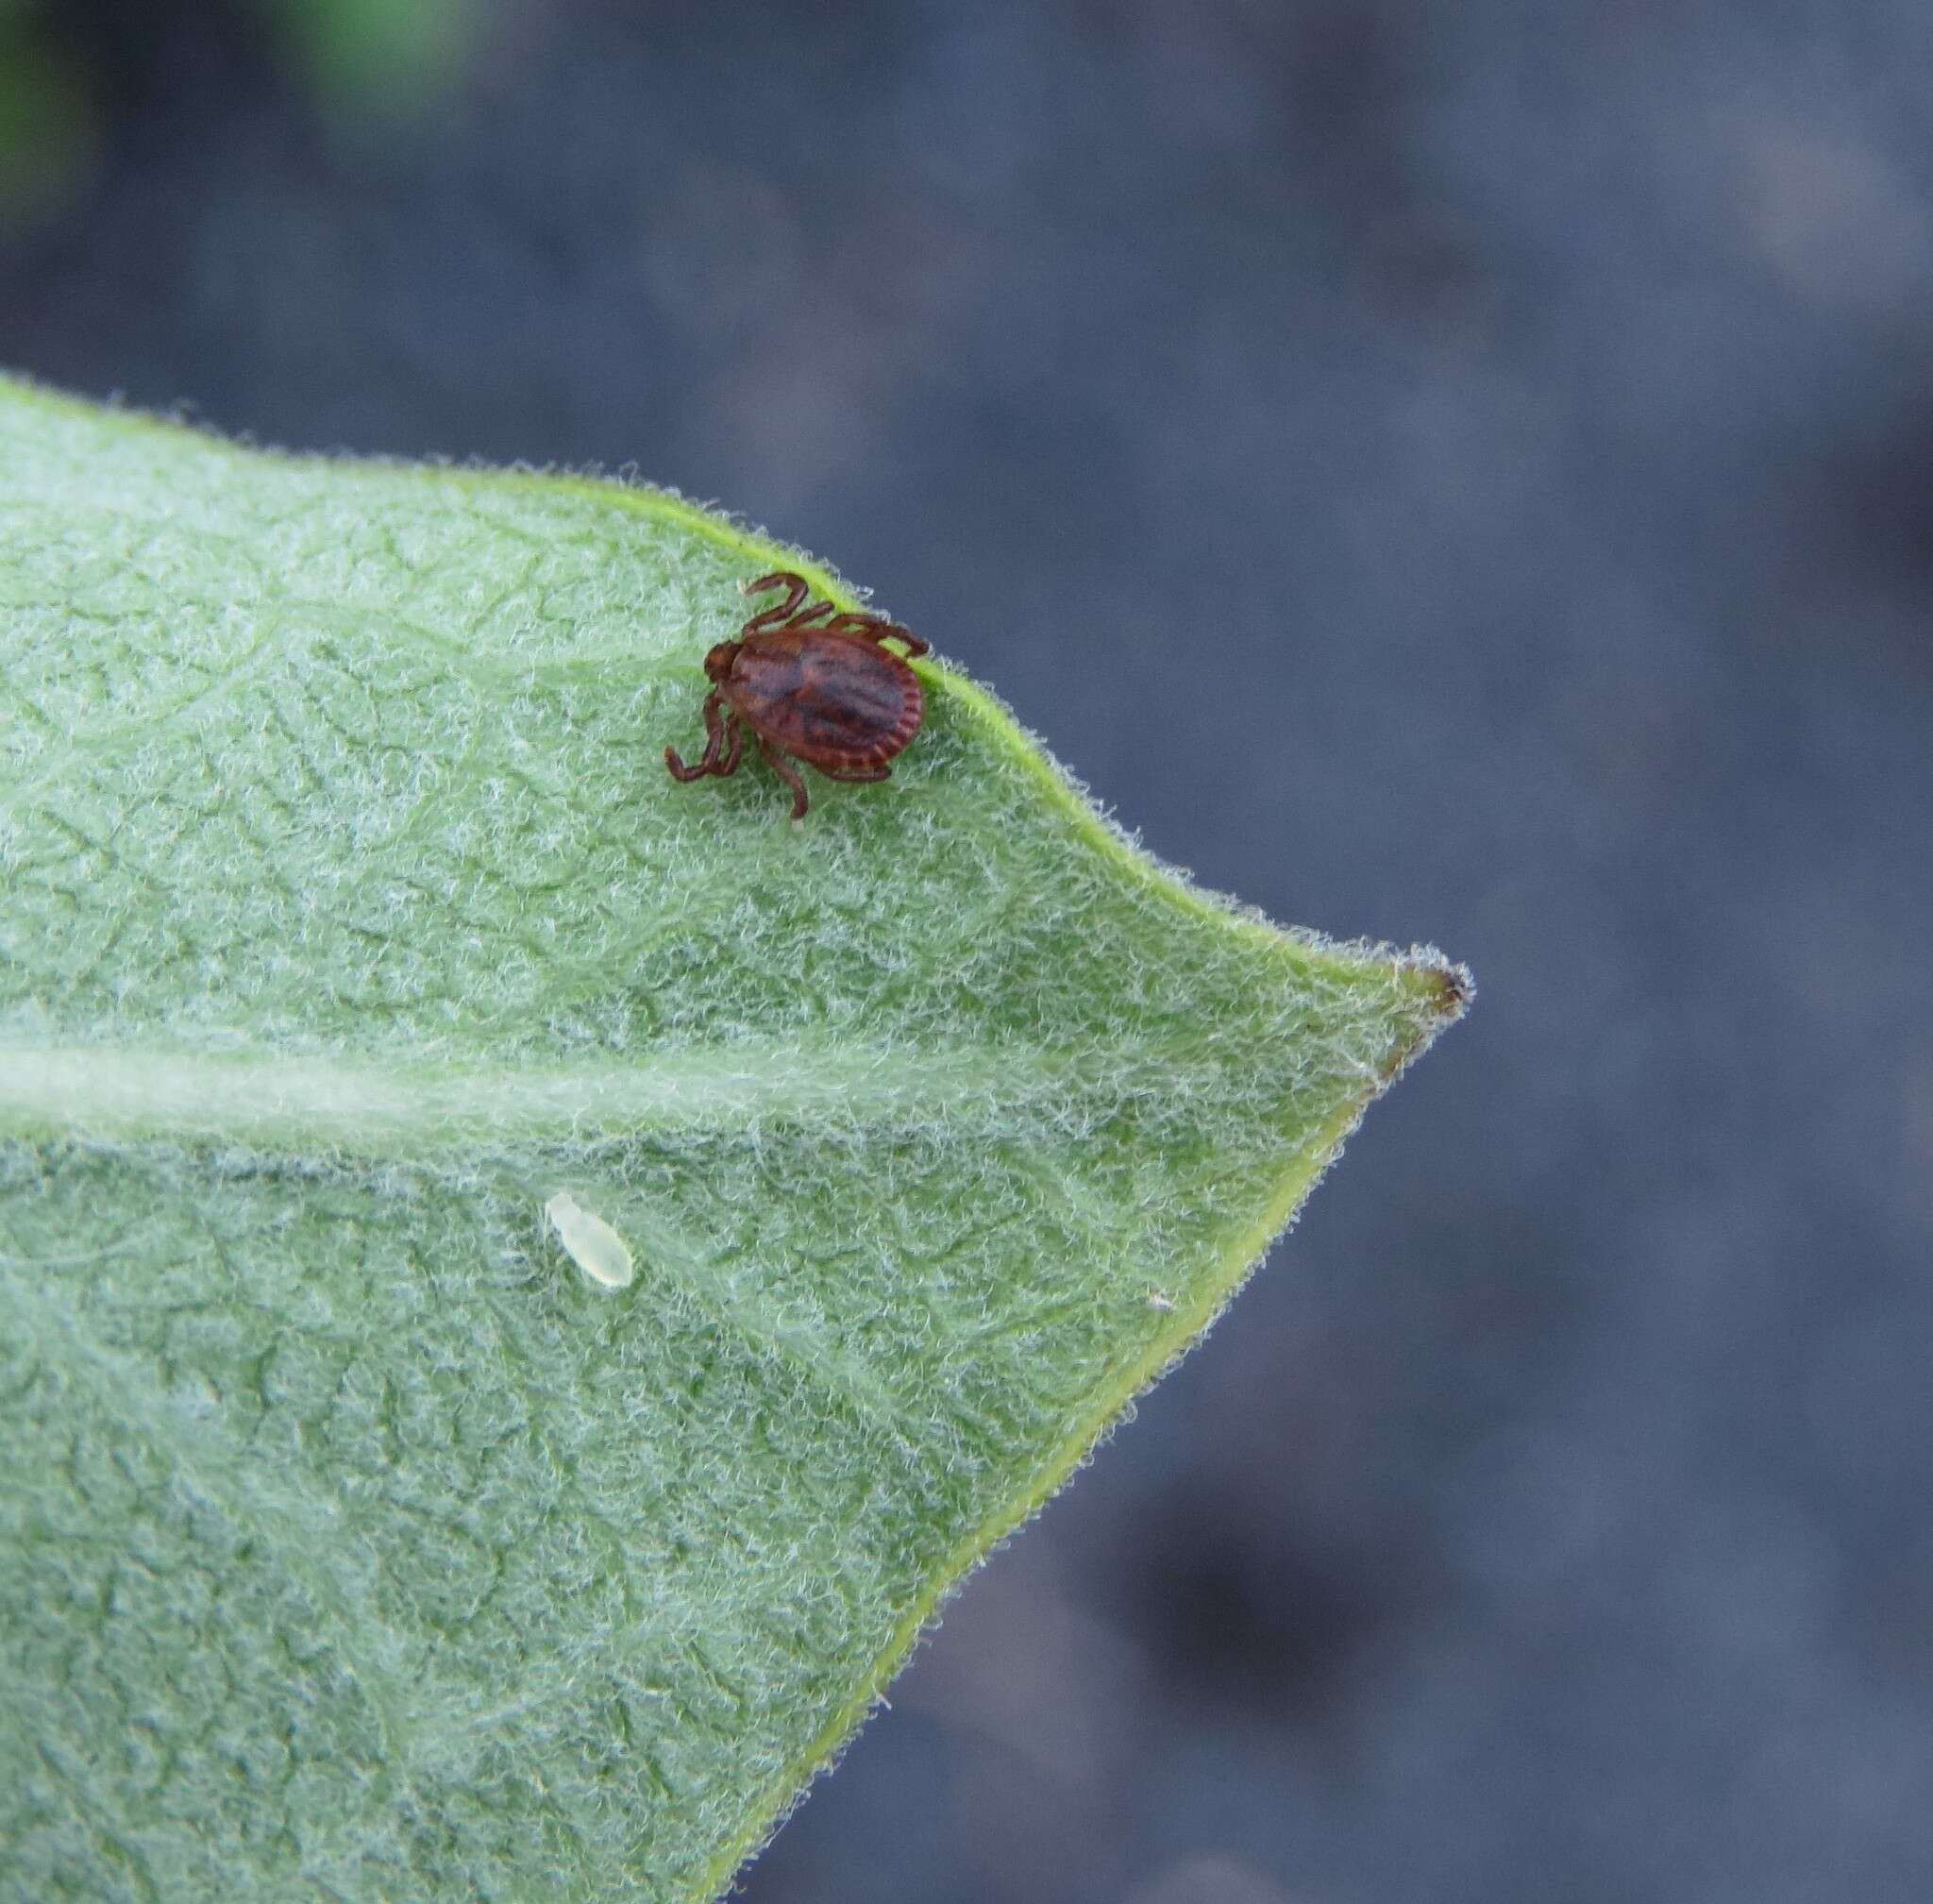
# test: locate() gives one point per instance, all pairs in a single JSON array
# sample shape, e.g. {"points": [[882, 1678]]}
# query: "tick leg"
{"points": [[727, 734], [715, 733], [715, 739], [806, 616], [781, 765], [793, 586], [877, 628], [795, 589]]}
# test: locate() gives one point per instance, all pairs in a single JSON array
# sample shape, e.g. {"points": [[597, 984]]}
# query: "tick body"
{"points": [[810, 685]]}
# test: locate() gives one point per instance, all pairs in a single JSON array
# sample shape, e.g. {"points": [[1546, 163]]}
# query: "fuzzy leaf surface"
{"points": [[366, 1531]]}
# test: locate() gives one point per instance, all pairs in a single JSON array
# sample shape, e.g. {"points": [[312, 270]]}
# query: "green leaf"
{"points": [[364, 1534]]}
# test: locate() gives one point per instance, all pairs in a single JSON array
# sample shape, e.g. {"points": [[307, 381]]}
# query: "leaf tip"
{"points": [[1450, 987], [1438, 992]]}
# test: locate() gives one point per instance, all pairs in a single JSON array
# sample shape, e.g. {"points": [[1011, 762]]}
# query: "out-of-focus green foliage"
{"points": [[48, 132], [386, 53], [358, 61]]}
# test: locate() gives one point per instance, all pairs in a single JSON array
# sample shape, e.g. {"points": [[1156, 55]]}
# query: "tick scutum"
{"points": [[834, 701]]}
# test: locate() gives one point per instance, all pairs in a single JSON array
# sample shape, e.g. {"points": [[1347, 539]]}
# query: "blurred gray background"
{"points": [[1453, 472]]}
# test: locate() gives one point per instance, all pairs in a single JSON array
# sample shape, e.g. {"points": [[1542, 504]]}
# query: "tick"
{"points": [[811, 689]]}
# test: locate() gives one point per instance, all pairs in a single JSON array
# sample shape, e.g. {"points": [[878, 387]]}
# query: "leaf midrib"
{"points": [[271, 1100]]}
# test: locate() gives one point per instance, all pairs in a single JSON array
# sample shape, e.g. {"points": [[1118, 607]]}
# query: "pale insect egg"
{"points": [[590, 1242]]}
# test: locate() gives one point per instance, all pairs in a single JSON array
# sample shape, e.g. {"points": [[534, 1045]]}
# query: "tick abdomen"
{"points": [[824, 691], [837, 699]]}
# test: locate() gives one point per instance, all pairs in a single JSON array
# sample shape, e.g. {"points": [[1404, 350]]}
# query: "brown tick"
{"points": [[821, 691]]}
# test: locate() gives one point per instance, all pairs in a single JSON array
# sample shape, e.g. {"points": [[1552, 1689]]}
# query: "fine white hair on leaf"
{"points": [[590, 1242]]}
